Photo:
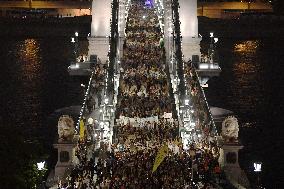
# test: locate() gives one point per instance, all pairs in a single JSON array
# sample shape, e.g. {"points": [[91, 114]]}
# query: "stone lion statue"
{"points": [[66, 129], [230, 129]]}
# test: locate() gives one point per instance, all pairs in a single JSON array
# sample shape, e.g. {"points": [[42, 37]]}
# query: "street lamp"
{"points": [[216, 39], [74, 40], [211, 48], [257, 169], [40, 165], [41, 169]]}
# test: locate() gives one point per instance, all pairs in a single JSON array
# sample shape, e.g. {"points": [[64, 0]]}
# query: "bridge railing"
{"points": [[114, 39], [194, 109], [178, 50], [205, 104], [84, 105]]}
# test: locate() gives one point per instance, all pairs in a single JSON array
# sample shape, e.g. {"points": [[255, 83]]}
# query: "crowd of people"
{"points": [[144, 95], [144, 87], [145, 123]]}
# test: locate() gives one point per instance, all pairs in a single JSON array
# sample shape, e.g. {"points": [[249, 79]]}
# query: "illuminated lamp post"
{"points": [[211, 48], [74, 40], [41, 169], [213, 40], [257, 169], [40, 165]]}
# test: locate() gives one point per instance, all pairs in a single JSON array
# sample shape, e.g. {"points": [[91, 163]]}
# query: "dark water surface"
{"points": [[35, 82], [252, 85]]}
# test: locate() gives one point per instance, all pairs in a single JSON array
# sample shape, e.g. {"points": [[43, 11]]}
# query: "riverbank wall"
{"points": [[247, 27], [44, 27], [242, 27]]}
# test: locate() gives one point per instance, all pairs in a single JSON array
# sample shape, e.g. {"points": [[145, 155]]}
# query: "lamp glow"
{"points": [[216, 40], [90, 121], [257, 167], [76, 34], [40, 165]]}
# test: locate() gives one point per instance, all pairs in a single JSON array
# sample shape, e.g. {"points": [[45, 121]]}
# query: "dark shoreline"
{"points": [[244, 28], [45, 27]]}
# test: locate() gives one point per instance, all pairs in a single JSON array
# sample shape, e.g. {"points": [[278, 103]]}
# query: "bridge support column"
{"points": [[189, 28], [190, 47], [99, 46], [66, 159], [100, 29], [229, 162]]}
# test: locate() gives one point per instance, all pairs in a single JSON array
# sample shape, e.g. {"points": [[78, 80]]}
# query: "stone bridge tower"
{"points": [[100, 29], [189, 28]]}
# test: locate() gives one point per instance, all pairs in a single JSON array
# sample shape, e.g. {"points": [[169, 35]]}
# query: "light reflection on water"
{"points": [[29, 56], [246, 71], [251, 85], [249, 46], [35, 81]]}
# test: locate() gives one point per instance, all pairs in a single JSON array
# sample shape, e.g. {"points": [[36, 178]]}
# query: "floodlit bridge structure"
{"points": [[177, 118]]}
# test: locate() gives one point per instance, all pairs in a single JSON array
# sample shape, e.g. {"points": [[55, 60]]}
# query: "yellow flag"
{"points": [[162, 153], [82, 129], [176, 142]]}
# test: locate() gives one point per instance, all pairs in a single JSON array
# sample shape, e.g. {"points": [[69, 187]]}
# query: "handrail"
{"points": [[206, 103], [84, 102], [113, 47], [178, 51], [179, 59]]}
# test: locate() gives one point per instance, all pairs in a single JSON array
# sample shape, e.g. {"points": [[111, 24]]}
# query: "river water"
{"points": [[251, 85], [35, 82]]}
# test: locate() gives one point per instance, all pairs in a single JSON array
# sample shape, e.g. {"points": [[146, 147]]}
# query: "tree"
{"points": [[18, 158]]}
